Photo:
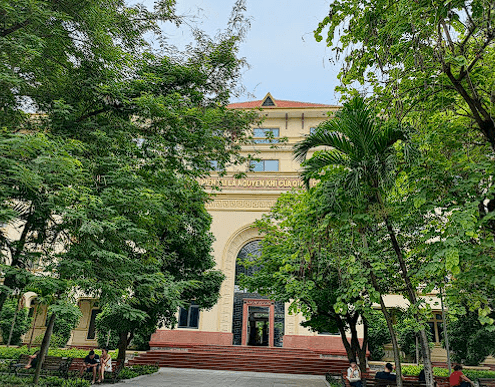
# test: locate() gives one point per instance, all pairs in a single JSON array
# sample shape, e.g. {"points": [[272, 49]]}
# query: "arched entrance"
{"points": [[257, 320]]}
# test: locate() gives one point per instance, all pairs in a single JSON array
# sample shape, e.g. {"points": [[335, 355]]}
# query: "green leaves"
{"points": [[452, 261]]}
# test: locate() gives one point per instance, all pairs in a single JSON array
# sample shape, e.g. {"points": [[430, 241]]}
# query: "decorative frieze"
{"points": [[241, 204]]}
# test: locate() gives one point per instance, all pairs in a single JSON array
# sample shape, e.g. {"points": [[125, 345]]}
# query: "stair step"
{"points": [[242, 358]]}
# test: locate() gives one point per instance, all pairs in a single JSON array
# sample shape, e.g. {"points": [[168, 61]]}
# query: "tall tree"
{"points": [[300, 263], [364, 147], [141, 240], [35, 173], [422, 56]]}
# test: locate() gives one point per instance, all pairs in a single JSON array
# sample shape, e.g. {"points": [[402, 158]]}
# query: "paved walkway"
{"points": [[185, 377]]}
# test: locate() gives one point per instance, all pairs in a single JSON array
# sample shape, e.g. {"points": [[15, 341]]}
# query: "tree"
{"points": [[145, 125], [43, 43], [418, 56], [68, 317], [364, 147], [299, 263], [21, 325], [35, 171]]}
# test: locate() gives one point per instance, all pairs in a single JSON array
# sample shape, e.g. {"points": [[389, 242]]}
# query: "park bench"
{"points": [[51, 365], [369, 382], [114, 376], [486, 382]]}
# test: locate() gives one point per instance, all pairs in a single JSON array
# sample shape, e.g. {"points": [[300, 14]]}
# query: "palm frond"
{"points": [[313, 168], [327, 134]]}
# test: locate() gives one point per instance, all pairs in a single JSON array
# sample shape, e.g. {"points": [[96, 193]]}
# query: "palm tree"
{"points": [[365, 148]]}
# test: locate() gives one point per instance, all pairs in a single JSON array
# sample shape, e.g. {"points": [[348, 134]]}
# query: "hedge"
{"points": [[412, 370], [15, 353]]}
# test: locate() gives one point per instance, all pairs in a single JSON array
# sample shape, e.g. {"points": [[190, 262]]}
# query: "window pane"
{"points": [[193, 317], [257, 166], [258, 132], [438, 317], [271, 165], [312, 130], [260, 135], [183, 317]]}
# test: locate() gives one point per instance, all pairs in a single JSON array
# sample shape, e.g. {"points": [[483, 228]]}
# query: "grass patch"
{"points": [[137, 370]]}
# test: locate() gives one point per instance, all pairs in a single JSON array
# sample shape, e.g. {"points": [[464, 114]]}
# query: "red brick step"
{"points": [[242, 358]]}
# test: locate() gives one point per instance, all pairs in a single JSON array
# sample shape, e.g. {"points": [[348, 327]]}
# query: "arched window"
{"points": [[250, 252]]}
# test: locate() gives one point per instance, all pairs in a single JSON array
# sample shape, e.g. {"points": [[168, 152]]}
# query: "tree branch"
{"points": [[7, 31], [93, 113]]}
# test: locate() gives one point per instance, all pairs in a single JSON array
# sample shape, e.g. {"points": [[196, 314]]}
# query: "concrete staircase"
{"points": [[244, 358]]}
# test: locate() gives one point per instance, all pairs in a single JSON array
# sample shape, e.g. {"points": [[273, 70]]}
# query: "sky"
{"points": [[283, 55]]}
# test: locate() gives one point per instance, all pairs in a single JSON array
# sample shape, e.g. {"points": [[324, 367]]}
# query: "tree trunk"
{"points": [[44, 347], [364, 347], [359, 351], [395, 345], [122, 347], [411, 295]]}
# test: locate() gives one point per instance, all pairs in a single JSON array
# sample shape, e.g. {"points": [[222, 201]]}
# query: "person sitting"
{"points": [[105, 364], [33, 361], [386, 374], [354, 374], [90, 364], [457, 378]]}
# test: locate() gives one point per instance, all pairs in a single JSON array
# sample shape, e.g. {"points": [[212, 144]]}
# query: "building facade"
{"points": [[242, 318]]}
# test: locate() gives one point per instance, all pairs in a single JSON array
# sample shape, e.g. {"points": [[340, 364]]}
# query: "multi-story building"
{"points": [[239, 317]]}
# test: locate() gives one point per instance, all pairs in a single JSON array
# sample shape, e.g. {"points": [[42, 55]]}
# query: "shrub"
{"points": [[22, 322], [137, 370], [141, 341], [49, 381]]}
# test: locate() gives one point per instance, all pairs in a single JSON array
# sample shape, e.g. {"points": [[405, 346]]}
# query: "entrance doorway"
{"points": [[258, 322]]}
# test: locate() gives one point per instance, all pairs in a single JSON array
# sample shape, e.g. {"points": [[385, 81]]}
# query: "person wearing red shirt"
{"points": [[458, 379]]}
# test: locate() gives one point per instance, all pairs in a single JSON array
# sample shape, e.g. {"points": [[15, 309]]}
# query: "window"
{"points": [[265, 135], [92, 324], [250, 252], [214, 165], [189, 318], [436, 328], [264, 166], [312, 130]]}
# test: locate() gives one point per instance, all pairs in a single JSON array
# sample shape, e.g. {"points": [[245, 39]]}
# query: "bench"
{"points": [[52, 364], [117, 366], [368, 382], [486, 382]]}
